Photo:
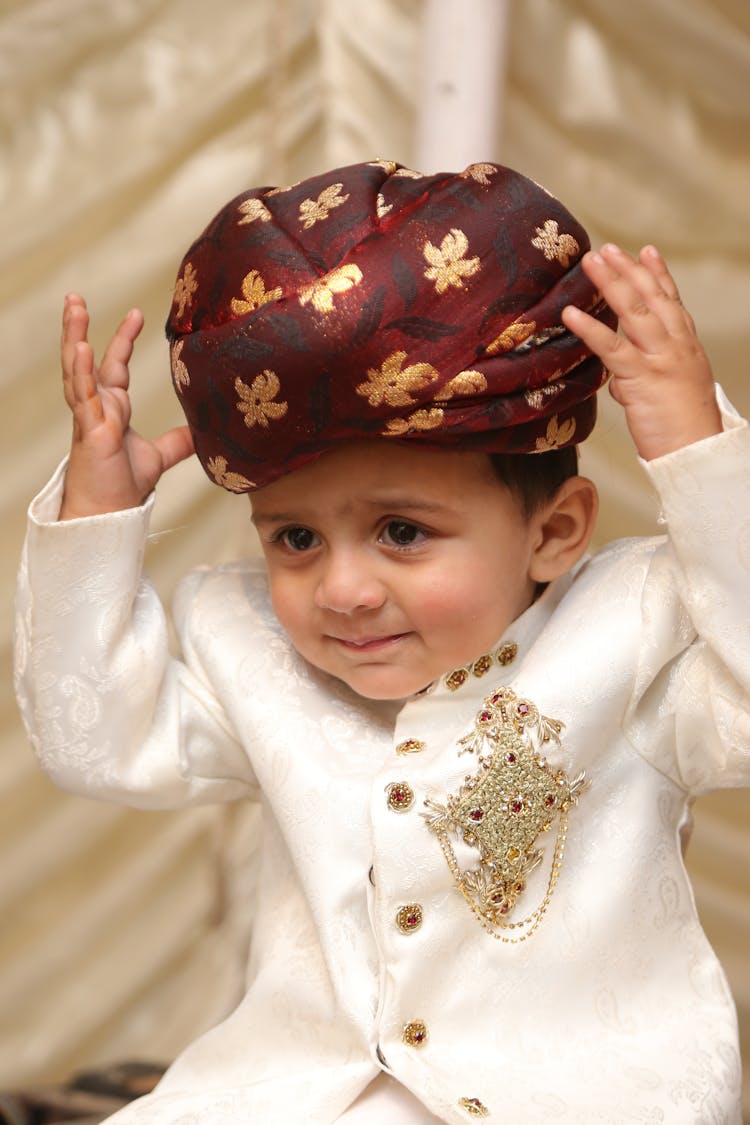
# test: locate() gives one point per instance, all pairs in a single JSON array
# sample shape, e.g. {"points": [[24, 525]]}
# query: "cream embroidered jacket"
{"points": [[611, 1007]]}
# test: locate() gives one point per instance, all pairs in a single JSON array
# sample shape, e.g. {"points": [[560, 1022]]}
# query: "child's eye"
{"points": [[298, 538], [401, 533]]}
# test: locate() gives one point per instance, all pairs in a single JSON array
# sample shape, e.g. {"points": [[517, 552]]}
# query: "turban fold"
{"points": [[375, 302]]}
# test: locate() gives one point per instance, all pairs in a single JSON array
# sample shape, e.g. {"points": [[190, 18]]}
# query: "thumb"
{"points": [[174, 446]]}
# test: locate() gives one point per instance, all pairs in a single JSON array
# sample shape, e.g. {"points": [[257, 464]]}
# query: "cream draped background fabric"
{"points": [[125, 125]]}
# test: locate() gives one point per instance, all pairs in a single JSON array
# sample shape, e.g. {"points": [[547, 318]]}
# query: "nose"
{"points": [[348, 582]]}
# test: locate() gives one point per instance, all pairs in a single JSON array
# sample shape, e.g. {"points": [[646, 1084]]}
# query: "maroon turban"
{"points": [[374, 302]]}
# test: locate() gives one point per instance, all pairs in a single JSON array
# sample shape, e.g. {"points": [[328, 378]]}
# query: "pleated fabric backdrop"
{"points": [[124, 125]]}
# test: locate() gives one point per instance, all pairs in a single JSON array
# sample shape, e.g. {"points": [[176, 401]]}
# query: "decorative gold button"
{"points": [[400, 796], [507, 653], [456, 679], [409, 918], [481, 666], [410, 746], [414, 1034], [474, 1107]]}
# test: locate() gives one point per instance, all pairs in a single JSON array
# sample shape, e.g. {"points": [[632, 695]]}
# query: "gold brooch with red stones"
{"points": [[503, 808]]}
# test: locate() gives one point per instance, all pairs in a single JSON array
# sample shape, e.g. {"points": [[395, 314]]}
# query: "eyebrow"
{"points": [[395, 503]]}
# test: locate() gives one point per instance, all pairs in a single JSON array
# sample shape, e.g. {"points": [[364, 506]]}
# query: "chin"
{"points": [[382, 686]]}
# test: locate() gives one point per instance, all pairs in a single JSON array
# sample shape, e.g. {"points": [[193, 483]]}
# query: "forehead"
{"points": [[380, 473]]}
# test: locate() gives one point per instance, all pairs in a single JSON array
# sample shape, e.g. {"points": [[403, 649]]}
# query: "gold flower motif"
{"points": [[256, 401], [235, 482], [322, 291], [280, 190], [312, 211], [465, 383], [388, 166], [419, 420], [536, 398], [382, 207], [255, 293], [185, 288], [448, 266], [480, 172], [557, 435], [511, 336], [393, 385], [555, 245], [408, 174], [180, 373], [253, 209]]}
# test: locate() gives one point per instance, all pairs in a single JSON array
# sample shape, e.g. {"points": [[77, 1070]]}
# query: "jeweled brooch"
{"points": [[503, 808]]}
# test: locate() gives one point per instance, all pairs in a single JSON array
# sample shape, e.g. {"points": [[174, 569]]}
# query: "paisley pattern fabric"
{"points": [[373, 301], [613, 1010]]}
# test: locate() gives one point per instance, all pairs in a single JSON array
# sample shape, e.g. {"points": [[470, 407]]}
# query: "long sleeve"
{"points": [[109, 712], [690, 708]]}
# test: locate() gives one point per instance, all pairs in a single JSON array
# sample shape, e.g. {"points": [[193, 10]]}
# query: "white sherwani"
{"points": [[368, 952]]}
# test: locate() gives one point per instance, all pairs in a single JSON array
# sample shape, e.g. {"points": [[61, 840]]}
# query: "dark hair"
{"points": [[534, 478]]}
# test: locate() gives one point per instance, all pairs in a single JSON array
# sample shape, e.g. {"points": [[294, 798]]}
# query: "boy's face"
{"points": [[390, 566]]}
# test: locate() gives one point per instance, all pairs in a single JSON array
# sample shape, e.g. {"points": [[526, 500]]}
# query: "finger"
{"points": [[651, 259], [637, 319], [174, 446], [601, 339], [75, 323], [113, 369], [644, 297], [86, 404]]}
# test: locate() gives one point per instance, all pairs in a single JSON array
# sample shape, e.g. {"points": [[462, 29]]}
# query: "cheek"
{"points": [[287, 604], [447, 602]]}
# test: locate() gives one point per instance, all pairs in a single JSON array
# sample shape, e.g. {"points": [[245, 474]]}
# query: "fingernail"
{"points": [[652, 251], [612, 248], [596, 257]]}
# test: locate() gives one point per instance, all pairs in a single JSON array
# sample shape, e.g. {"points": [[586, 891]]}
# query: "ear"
{"points": [[564, 528]]}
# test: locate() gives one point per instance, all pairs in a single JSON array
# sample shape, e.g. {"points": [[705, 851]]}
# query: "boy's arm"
{"points": [[659, 371], [689, 712], [109, 712], [111, 467]]}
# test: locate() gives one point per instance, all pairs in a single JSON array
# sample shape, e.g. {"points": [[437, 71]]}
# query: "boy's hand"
{"points": [[660, 373], [111, 467]]}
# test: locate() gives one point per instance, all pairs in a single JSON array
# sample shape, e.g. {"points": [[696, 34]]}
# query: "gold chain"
{"points": [[531, 921]]}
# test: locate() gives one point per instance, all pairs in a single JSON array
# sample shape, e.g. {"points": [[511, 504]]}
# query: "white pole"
{"points": [[463, 77]]}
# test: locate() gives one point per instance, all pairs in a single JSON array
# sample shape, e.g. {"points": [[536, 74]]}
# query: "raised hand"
{"points": [[111, 466], [659, 371]]}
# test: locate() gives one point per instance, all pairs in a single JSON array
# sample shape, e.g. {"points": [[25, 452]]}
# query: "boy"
{"points": [[474, 748]]}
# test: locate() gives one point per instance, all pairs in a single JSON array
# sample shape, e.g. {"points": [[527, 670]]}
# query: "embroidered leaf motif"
{"points": [[180, 373], [448, 265], [511, 336], [465, 383], [554, 245], [393, 384], [537, 398], [382, 207], [185, 288], [312, 211], [256, 401], [253, 209], [419, 420], [254, 293], [321, 293], [480, 172], [422, 328], [556, 435], [370, 317], [235, 482], [388, 166]]}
